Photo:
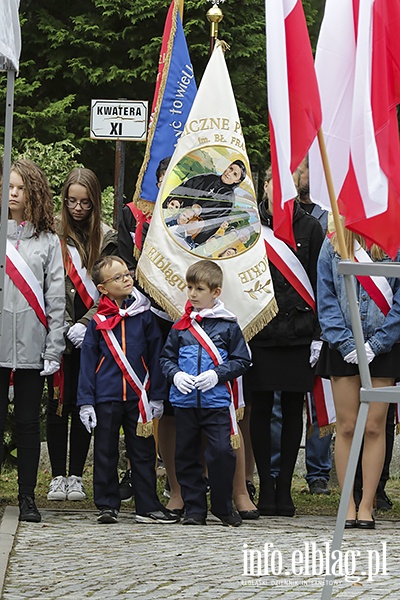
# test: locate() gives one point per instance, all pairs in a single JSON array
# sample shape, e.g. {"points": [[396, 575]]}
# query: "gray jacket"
{"points": [[25, 342]]}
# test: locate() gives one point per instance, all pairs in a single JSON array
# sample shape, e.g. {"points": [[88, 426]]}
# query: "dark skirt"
{"points": [[280, 368], [331, 363]]}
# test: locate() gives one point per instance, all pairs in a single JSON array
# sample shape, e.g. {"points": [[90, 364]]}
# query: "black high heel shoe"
{"points": [[266, 498], [284, 502]]}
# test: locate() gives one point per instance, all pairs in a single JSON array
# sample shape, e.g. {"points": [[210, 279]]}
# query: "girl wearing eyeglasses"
{"points": [[84, 239]]}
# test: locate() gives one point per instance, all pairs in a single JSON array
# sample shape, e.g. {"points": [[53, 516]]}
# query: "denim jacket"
{"points": [[334, 314]]}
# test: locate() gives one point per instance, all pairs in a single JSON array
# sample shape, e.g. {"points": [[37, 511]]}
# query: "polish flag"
{"points": [[293, 103], [358, 70]]}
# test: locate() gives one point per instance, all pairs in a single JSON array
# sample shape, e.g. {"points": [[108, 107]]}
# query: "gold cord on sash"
{"points": [[235, 441], [145, 429]]}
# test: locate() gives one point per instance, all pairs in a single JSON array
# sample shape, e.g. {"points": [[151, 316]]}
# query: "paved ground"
{"points": [[70, 556]]}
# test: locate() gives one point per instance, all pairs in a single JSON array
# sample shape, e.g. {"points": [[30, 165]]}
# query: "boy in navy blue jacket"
{"points": [[121, 384], [204, 352]]}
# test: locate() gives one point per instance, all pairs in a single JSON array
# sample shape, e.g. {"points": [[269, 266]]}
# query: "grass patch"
{"points": [[306, 504]]}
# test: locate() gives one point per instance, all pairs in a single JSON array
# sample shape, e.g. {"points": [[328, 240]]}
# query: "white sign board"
{"points": [[119, 120]]}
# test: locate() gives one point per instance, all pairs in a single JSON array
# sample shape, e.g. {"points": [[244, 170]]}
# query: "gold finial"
{"points": [[214, 16]]}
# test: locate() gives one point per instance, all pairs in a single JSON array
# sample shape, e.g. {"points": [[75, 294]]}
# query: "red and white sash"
{"points": [[145, 421], [25, 280], [324, 405], [377, 288], [235, 388], [80, 278], [289, 265]]}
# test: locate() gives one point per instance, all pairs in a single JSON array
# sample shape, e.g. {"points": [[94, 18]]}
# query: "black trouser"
{"points": [[28, 390], [260, 432], [57, 426], [110, 417], [219, 456]]}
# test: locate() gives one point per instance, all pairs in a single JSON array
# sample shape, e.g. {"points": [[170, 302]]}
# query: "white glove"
{"points": [[315, 350], [76, 333], [370, 352], [88, 417], [206, 380], [50, 367], [351, 357], [157, 408], [184, 382]]}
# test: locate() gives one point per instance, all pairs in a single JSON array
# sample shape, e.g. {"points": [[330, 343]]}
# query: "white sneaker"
{"points": [[58, 488], [75, 489]]}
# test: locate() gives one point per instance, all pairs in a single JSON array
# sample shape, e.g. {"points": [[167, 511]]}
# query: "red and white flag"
{"points": [[293, 103], [359, 79]]}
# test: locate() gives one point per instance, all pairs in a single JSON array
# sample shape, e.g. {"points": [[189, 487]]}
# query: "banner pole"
{"points": [[332, 196]]}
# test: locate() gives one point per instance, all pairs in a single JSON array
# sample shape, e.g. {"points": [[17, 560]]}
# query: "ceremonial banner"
{"points": [[10, 32], [359, 79], [293, 104], [207, 209], [173, 99]]}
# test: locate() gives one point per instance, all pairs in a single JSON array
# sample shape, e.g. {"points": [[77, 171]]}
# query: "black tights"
{"points": [[260, 431], [57, 427], [28, 389]]}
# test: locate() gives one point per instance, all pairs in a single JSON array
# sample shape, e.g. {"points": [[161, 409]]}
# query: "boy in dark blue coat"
{"points": [[121, 384], [204, 352]]}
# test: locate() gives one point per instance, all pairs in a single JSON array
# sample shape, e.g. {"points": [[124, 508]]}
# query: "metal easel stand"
{"points": [[5, 65], [367, 395]]}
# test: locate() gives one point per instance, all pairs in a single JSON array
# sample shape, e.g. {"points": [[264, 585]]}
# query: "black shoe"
{"points": [[365, 524], [383, 502], [108, 515], [194, 520], [28, 510], [251, 489], [319, 486], [350, 524], [177, 511], [284, 501], [266, 497], [249, 515], [158, 516], [232, 520], [126, 486]]}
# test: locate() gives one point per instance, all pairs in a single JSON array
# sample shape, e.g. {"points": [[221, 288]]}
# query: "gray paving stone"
{"points": [[70, 556]]}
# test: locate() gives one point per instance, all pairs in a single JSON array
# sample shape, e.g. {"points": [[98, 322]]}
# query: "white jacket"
{"points": [[24, 341]]}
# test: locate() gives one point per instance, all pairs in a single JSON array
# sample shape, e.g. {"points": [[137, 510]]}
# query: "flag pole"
{"points": [[332, 196], [214, 16]]}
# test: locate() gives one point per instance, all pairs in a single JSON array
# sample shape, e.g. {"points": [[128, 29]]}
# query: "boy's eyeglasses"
{"points": [[120, 277], [84, 204]]}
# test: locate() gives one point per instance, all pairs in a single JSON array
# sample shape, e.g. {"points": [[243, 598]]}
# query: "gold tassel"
{"points": [[239, 413], [145, 429], [235, 441], [397, 428], [59, 409], [224, 45], [310, 431]]}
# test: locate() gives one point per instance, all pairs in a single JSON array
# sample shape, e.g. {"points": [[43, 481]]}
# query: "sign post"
{"points": [[120, 120]]}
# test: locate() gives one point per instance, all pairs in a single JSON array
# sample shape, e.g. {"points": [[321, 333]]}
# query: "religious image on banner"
{"points": [[207, 209], [212, 213]]}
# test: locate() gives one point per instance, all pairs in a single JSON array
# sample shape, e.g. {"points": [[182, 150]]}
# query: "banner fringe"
{"points": [[157, 296], [261, 320]]}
